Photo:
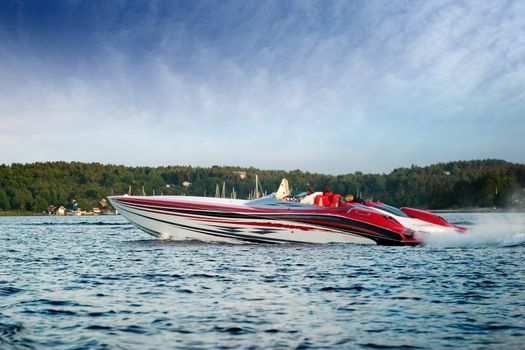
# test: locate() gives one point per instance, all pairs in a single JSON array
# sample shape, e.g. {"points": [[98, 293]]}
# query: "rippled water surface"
{"points": [[97, 283]]}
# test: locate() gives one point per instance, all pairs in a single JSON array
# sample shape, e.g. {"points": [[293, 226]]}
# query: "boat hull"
{"points": [[223, 220]]}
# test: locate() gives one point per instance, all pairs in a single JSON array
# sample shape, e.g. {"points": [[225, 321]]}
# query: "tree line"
{"points": [[462, 184]]}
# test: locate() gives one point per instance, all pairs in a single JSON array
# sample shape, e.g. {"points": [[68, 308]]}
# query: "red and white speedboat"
{"points": [[263, 220], [271, 219]]}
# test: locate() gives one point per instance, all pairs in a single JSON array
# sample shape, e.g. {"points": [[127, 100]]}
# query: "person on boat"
{"points": [[324, 199], [359, 200], [331, 199], [347, 201], [309, 198], [351, 199]]}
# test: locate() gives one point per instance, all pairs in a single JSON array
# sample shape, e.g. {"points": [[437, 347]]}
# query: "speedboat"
{"points": [[271, 219], [263, 220]]}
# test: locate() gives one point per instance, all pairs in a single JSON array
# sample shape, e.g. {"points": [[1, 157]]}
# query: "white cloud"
{"points": [[326, 90]]}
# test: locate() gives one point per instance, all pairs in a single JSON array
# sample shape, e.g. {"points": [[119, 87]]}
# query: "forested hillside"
{"points": [[479, 183]]}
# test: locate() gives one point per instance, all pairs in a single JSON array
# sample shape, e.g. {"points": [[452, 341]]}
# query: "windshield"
{"points": [[391, 210]]}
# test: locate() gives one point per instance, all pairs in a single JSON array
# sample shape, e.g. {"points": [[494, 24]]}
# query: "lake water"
{"points": [[99, 283]]}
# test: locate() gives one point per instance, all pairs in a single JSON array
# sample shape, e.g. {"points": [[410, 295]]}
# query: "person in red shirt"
{"points": [[327, 199]]}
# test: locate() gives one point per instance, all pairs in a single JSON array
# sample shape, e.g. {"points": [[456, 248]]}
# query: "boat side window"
{"points": [[392, 210]]}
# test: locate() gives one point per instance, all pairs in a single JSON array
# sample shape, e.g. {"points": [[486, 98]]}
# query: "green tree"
{"points": [[4, 201]]}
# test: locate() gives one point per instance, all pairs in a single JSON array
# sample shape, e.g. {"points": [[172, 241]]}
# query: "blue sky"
{"points": [[323, 86]]}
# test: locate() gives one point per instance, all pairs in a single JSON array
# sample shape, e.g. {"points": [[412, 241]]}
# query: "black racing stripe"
{"points": [[255, 229], [264, 231], [147, 230], [385, 233], [347, 232]]}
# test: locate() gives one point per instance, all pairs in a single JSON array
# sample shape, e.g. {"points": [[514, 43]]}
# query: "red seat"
{"points": [[335, 200], [322, 201], [327, 199]]}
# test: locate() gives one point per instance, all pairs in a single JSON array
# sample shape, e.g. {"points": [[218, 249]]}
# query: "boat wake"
{"points": [[503, 230]]}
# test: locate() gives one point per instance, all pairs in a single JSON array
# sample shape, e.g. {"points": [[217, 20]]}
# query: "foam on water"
{"points": [[165, 236], [487, 229]]}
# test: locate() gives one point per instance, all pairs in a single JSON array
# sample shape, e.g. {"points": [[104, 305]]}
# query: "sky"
{"points": [[322, 86]]}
